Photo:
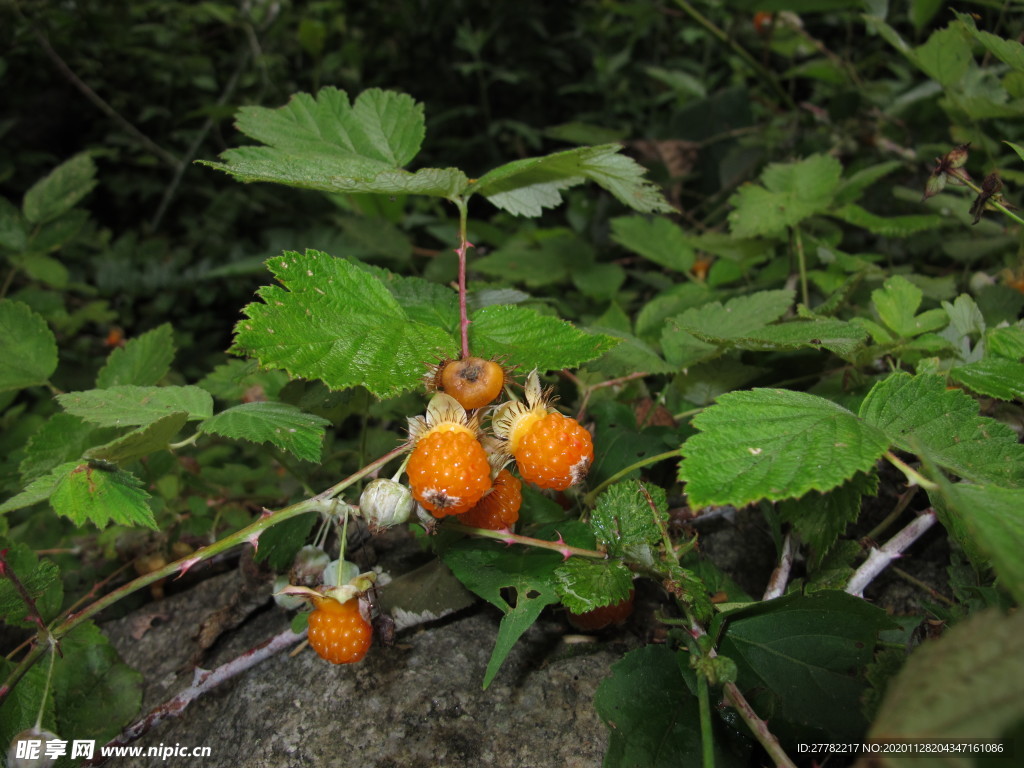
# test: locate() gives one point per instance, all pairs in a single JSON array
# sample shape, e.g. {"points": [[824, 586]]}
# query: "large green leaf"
{"points": [[333, 321], [920, 415], [993, 376], [774, 444], [27, 347], [141, 442], [526, 187], [326, 143], [802, 659], [40, 580]]}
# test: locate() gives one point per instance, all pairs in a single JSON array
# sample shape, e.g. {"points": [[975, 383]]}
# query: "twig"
{"points": [[26, 596], [464, 245], [183, 163], [878, 559], [600, 385], [780, 576], [98, 100], [592, 495], [203, 681]]}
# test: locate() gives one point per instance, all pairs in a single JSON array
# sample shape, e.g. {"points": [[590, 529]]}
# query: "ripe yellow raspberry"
{"points": [[338, 632], [555, 452], [551, 450], [499, 509], [448, 470]]}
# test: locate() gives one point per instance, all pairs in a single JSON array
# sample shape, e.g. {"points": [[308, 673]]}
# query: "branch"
{"points": [[203, 681], [879, 559]]}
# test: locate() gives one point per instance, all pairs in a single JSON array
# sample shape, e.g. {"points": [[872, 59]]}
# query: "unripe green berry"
{"points": [[385, 503], [40, 760]]}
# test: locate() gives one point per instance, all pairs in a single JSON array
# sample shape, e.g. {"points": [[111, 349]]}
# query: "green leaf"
{"points": [[61, 438], [21, 707], [995, 518], [840, 338], [897, 302], [87, 672], [628, 356], [531, 340], [774, 444], [622, 442], [39, 489], [1006, 342], [921, 416], [279, 544], [525, 187], [338, 323], [325, 143], [993, 376], [97, 494], [681, 339], [853, 186], [887, 226], [27, 347], [623, 518], [584, 584], [945, 56], [1006, 50], [56, 193], [143, 361], [280, 424], [13, 234], [40, 578], [821, 518], [653, 719], [142, 441], [963, 685], [791, 193], [488, 569], [656, 239], [131, 406], [801, 658]]}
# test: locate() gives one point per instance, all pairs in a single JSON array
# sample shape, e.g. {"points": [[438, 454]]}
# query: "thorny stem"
{"points": [[878, 559], [508, 537], [464, 245], [913, 476], [319, 503], [592, 495], [922, 585], [26, 597]]}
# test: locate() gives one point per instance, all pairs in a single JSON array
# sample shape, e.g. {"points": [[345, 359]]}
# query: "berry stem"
{"points": [[464, 245], [508, 537]]}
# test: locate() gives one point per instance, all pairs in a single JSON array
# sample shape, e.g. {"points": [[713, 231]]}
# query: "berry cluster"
{"points": [[458, 468]]}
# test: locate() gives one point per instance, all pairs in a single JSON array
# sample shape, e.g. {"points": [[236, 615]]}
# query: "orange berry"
{"points": [[605, 616], [473, 381], [338, 632], [448, 471], [498, 509], [555, 452]]}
